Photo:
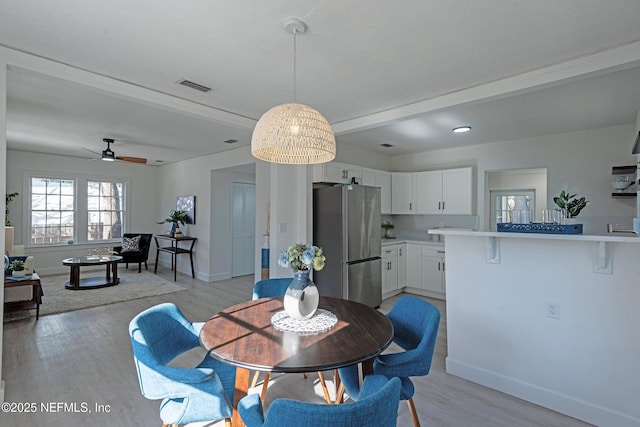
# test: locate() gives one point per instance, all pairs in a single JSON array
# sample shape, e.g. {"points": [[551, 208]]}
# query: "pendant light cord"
{"points": [[294, 65]]}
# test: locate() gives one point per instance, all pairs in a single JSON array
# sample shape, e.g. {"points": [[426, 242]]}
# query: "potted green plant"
{"points": [[388, 226], [571, 203], [8, 199], [17, 268], [175, 218]]}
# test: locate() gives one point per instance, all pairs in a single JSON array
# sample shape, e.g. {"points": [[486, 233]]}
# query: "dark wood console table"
{"points": [[175, 250], [36, 296]]}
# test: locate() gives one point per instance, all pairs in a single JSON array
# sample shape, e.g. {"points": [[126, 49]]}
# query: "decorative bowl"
{"points": [[620, 185]]}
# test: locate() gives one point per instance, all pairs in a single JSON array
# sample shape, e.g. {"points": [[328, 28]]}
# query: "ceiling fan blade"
{"points": [[140, 160], [91, 151]]}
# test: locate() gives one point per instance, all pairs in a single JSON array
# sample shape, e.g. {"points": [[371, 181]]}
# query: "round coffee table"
{"points": [[75, 282]]}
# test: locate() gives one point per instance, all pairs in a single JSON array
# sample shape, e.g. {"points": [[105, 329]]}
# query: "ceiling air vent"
{"points": [[193, 85], [385, 145], [230, 141]]}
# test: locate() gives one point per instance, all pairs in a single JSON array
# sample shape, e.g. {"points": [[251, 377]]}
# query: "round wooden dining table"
{"points": [[243, 336]]}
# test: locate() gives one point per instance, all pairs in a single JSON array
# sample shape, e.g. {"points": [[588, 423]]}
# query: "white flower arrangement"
{"points": [[302, 256]]}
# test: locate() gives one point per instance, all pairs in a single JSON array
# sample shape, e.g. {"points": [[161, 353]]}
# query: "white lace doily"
{"points": [[321, 321]]}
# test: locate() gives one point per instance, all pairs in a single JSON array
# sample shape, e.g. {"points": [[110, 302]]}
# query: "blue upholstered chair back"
{"points": [[377, 407], [269, 288], [415, 329], [160, 334]]}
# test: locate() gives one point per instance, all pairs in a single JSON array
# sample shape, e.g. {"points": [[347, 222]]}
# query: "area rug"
{"points": [[133, 285]]}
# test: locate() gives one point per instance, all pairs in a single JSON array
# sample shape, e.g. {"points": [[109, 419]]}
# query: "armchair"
{"points": [[204, 393], [137, 254], [377, 407]]}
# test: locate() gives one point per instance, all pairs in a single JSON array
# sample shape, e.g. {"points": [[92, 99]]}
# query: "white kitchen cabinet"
{"points": [[402, 193], [389, 268], [433, 269], [402, 265], [382, 180], [336, 172], [448, 191], [413, 270]]}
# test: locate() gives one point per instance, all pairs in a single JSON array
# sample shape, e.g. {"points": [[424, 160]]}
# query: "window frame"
{"points": [[81, 219]]}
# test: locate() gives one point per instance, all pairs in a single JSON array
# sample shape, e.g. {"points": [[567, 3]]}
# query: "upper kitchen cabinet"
{"points": [[338, 173], [448, 191], [381, 179], [402, 193]]}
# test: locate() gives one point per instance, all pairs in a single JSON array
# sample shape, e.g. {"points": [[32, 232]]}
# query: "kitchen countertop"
{"points": [[610, 237], [424, 241]]}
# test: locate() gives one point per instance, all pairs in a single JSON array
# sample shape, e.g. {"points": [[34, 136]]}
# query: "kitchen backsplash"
{"points": [[416, 226]]}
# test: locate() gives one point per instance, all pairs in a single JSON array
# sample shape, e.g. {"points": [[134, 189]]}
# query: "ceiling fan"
{"points": [[109, 155]]}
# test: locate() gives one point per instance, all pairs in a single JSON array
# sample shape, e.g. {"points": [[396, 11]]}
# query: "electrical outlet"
{"points": [[552, 310]]}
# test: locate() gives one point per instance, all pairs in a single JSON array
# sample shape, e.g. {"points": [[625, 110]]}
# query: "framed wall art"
{"points": [[188, 205]]}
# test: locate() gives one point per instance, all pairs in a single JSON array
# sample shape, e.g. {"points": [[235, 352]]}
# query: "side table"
{"points": [[175, 250], [36, 298]]}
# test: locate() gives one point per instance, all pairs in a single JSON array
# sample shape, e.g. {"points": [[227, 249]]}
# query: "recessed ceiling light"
{"points": [[462, 129]]}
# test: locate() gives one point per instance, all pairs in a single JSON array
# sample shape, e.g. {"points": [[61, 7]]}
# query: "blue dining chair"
{"points": [[377, 407], [160, 334], [270, 288], [415, 328]]}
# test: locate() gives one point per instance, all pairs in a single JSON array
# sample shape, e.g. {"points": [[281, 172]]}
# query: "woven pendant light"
{"points": [[293, 133]]}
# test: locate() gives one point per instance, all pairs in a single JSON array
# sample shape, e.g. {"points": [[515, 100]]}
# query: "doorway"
{"points": [[243, 208]]}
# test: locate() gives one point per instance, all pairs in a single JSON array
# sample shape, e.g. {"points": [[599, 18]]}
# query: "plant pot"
{"points": [[302, 298], [18, 273]]}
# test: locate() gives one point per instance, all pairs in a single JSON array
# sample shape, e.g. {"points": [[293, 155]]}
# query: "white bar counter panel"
{"points": [[530, 315]]}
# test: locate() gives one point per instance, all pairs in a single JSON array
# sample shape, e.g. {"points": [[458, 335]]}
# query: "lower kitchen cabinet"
{"points": [[433, 276], [402, 265], [389, 268]]}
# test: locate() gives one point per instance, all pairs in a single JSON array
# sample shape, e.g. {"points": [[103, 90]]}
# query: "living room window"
{"points": [[76, 209], [52, 210], [105, 203]]}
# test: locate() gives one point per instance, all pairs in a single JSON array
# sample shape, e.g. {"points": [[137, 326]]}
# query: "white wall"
{"points": [[142, 198], [578, 161], [584, 364]]}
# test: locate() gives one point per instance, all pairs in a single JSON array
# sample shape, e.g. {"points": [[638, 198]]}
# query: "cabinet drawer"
{"points": [[433, 251], [389, 251]]}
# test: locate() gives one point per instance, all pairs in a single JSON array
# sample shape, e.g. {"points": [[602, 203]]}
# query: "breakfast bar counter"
{"points": [[551, 319]]}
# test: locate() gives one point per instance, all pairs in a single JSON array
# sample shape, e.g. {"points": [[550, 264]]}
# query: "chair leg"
{"points": [[256, 374], [265, 384], [339, 393], [414, 413], [139, 267], [324, 388]]}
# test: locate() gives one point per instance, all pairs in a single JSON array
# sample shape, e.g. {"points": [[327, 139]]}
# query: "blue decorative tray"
{"points": [[540, 228]]}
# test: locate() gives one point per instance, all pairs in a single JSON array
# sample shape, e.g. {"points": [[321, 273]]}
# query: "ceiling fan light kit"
{"points": [[108, 155], [293, 133]]}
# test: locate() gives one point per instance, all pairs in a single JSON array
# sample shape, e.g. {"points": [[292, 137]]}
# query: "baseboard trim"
{"points": [[550, 399]]}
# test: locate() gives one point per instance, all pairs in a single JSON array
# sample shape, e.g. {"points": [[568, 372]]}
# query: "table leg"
{"points": [[108, 274], [242, 386], [114, 268], [193, 274], [75, 276], [155, 270]]}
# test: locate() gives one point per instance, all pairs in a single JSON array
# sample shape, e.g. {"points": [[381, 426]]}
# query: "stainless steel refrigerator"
{"points": [[346, 225]]}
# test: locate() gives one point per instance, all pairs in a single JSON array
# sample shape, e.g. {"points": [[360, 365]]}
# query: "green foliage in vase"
{"points": [[178, 217], [571, 203]]}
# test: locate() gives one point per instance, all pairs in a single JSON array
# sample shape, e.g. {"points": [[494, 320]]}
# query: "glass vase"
{"points": [[301, 299]]}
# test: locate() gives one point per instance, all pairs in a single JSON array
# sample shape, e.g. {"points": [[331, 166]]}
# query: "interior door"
{"points": [[243, 228]]}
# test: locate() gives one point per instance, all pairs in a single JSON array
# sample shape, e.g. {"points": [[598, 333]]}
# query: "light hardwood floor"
{"points": [[84, 357]]}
